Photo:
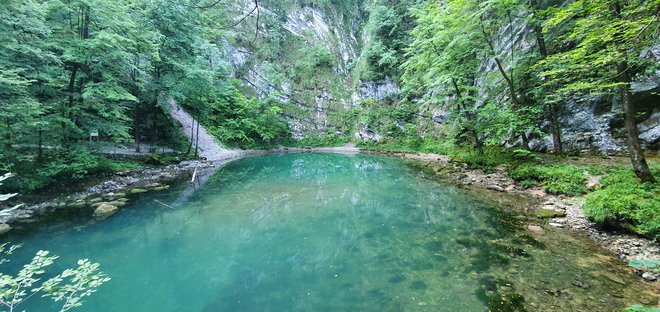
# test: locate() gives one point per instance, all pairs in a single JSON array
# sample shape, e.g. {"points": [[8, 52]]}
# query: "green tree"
{"points": [[69, 287], [608, 36]]}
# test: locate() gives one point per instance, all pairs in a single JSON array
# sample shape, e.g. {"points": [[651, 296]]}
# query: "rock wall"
{"points": [[316, 103]]}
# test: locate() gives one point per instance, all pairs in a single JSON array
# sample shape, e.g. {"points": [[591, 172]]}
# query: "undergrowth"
{"points": [[555, 179], [624, 201]]}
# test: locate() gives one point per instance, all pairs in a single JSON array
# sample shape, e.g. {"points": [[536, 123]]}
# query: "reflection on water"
{"points": [[327, 232]]}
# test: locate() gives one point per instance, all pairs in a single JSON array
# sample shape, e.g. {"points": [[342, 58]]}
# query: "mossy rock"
{"points": [[104, 211], [113, 196], [161, 188], [550, 213], [118, 203], [95, 205], [78, 204], [138, 191], [4, 228]]}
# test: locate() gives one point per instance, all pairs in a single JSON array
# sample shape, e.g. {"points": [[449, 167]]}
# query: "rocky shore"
{"points": [[105, 198], [553, 211], [110, 192]]}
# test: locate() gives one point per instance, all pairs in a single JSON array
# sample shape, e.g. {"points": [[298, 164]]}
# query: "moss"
{"points": [[550, 213], [625, 202], [640, 308]]}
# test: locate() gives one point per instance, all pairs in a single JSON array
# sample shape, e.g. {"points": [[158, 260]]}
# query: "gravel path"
{"points": [[209, 149]]}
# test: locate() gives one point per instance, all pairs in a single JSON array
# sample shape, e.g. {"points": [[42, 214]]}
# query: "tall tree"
{"points": [[609, 36]]}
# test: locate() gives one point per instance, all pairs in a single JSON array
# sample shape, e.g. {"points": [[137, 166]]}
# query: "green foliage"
{"points": [[623, 200], [641, 308], [555, 179], [328, 140], [605, 34], [240, 121], [388, 28], [69, 287], [525, 155], [486, 159]]}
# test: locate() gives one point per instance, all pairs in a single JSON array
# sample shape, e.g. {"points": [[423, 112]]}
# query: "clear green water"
{"points": [[329, 232]]}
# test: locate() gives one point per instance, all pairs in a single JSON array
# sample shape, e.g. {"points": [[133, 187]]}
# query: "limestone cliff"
{"points": [[306, 56]]}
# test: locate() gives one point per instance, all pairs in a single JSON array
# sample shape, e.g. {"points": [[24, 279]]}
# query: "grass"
{"points": [[625, 202]]}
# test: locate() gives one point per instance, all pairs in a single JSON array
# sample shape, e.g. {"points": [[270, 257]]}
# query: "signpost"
{"points": [[94, 134]]}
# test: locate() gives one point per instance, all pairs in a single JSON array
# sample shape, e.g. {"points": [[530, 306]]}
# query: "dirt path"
{"points": [[209, 149]]}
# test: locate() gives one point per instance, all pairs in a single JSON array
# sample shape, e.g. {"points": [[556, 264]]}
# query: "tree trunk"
{"points": [[136, 129], [525, 141], [555, 128], [40, 150], [197, 141], [154, 129], [66, 106], [637, 158], [471, 130], [192, 136]]}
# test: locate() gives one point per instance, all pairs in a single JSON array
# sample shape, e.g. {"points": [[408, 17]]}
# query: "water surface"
{"points": [[329, 232]]}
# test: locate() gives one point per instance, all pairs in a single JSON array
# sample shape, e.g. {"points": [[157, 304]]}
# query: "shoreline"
{"points": [[559, 211]]}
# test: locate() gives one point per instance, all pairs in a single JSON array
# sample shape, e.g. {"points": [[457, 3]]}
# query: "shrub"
{"points": [[555, 179], [640, 308], [525, 155], [623, 200]]}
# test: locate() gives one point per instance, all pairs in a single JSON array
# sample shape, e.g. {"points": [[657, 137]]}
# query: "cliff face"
{"points": [[302, 57], [306, 56]]}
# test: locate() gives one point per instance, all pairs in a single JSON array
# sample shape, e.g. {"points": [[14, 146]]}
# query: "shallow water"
{"points": [[329, 232]]}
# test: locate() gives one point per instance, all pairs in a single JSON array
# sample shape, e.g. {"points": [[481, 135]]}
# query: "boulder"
{"points": [[535, 229], [78, 204], [104, 211], [4, 228]]}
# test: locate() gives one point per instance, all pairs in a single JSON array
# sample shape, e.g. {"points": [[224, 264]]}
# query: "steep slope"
{"points": [[208, 147]]}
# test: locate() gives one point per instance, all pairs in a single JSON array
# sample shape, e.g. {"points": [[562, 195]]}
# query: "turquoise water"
{"points": [[327, 232]]}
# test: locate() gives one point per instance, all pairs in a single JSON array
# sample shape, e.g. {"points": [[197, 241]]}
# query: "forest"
{"points": [[81, 77], [560, 96]]}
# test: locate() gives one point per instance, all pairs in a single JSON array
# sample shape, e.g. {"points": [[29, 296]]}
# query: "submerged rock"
{"points": [[78, 204], [138, 191], [649, 277], [118, 203], [161, 188], [535, 229], [550, 213], [104, 211], [4, 228]]}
